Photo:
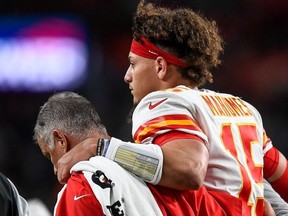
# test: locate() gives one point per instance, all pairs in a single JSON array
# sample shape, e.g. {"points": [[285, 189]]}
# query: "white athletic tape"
{"points": [[143, 160]]}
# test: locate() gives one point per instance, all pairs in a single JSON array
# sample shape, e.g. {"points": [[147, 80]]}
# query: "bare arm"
{"points": [[184, 167], [185, 164]]}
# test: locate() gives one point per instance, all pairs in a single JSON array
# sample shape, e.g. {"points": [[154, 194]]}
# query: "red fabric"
{"points": [[171, 202], [212, 203], [71, 203], [201, 202], [173, 122], [196, 202], [232, 205], [271, 161], [164, 138], [281, 185], [149, 50]]}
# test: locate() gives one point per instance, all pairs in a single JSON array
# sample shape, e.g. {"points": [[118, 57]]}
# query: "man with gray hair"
{"points": [[98, 186]]}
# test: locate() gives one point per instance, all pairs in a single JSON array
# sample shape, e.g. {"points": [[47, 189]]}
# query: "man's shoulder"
{"points": [[7, 196], [5, 187]]}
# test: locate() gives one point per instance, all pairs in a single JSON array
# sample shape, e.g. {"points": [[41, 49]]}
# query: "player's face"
{"points": [[52, 154], [141, 77]]}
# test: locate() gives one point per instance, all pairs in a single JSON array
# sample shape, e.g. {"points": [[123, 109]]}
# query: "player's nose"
{"points": [[127, 76]]}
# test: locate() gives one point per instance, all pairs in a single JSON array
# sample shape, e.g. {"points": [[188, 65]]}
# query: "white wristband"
{"points": [[143, 160]]}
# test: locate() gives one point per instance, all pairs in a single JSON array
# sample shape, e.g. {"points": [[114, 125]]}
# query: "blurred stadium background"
{"points": [[48, 46]]}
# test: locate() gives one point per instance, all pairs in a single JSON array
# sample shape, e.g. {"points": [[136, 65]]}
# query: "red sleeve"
{"points": [[281, 185], [78, 199], [271, 160]]}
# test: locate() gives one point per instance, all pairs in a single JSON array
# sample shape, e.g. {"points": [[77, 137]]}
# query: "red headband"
{"points": [[149, 50]]}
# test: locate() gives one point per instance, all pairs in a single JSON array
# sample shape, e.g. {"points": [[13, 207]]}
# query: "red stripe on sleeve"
{"points": [[165, 123], [164, 138]]}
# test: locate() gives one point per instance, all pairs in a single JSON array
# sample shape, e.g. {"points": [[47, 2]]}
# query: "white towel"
{"points": [[116, 189]]}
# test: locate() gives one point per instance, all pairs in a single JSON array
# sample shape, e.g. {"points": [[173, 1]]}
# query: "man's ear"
{"points": [[161, 67], [59, 138]]}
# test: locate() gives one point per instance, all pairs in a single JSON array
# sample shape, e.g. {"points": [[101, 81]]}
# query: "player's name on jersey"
{"points": [[226, 106]]}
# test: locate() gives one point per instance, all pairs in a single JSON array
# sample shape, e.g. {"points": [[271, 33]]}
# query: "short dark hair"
{"points": [[183, 33]]}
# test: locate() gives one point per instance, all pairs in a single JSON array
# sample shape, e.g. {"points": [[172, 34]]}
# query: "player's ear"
{"points": [[161, 67], [60, 139]]}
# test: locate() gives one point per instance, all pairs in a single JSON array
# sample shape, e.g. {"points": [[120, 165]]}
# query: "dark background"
{"points": [[255, 67]]}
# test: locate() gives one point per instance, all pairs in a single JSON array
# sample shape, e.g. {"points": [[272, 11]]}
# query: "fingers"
{"points": [[63, 169], [63, 179], [82, 151]]}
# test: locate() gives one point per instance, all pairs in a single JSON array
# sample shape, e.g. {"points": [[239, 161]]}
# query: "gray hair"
{"points": [[70, 113]]}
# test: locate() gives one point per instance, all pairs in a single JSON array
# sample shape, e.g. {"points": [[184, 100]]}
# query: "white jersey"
{"points": [[231, 128]]}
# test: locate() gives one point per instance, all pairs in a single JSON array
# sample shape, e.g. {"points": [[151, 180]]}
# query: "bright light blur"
{"points": [[40, 60]]}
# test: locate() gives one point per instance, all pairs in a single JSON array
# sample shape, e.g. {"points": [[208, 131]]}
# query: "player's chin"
{"points": [[135, 101], [135, 98]]}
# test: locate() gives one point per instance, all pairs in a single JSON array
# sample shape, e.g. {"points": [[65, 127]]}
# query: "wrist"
{"points": [[90, 147], [102, 146]]}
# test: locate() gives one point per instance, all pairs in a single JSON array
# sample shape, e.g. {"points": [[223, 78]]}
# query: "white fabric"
{"points": [[59, 195], [132, 192], [224, 169], [38, 208], [141, 159], [278, 204], [22, 204]]}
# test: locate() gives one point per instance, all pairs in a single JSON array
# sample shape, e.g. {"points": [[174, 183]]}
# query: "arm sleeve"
{"points": [[281, 185], [78, 199], [271, 161]]}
